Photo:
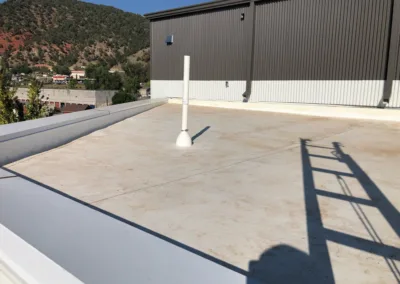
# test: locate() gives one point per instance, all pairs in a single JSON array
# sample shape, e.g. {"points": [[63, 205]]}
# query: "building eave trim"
{"points": [[195, 8]]}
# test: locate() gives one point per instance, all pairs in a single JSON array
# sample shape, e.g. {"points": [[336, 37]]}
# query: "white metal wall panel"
{"points": [[200, 90], [166, 89], [395, 99], [217, 90], [355, 93]]}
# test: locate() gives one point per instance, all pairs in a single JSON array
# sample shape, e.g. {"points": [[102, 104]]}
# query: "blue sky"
{"points": [[146, 6]]}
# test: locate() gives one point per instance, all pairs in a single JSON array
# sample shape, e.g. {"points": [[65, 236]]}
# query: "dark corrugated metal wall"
{"points": [[395, 84], [295, 40], [398, 67], [215, 40], [397, 77], [322, 40]]}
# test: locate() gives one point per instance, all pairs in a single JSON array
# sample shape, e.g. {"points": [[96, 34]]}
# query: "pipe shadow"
{"points": [[201, 132]]}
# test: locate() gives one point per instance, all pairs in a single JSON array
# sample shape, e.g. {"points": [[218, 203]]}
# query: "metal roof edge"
{"points": [[194, 8]]}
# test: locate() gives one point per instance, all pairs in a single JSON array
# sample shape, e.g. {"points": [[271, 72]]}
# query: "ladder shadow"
{"points": [[285, 264], [318, 235], [381, 202]]}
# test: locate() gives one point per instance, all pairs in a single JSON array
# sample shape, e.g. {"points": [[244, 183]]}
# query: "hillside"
{"points": [[69, 32]]}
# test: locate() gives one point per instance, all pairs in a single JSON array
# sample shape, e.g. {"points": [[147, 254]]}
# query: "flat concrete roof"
{"points": [[287, 198]]}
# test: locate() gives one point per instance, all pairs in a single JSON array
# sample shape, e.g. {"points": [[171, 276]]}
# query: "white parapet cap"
{"points": [[21, 263]]}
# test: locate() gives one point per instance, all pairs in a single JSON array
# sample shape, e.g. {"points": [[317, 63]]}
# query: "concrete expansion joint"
{"points": [[269, 153]]}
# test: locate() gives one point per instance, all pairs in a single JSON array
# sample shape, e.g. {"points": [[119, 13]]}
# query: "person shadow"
{"points": [[286, 264]]}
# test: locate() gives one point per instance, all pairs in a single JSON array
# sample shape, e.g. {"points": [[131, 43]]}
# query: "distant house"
{"points": [[78, 74], [60, 79]]}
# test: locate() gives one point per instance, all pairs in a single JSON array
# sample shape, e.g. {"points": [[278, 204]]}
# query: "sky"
{"points": [[146, 6]]}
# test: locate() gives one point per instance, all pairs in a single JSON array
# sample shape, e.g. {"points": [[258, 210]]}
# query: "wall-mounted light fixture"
{"points": [[169, 40], [242, 17]]}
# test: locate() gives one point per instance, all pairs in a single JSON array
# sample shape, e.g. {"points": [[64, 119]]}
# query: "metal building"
{"points": [[342, 52]]}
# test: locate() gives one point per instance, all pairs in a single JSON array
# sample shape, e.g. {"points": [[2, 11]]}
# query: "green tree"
{"points": [[10, 108], [90, 84], [35, 108], [8, 52], [101, 79], [40, 54], [122, 97], [132, 85], [23, 68], [72, 84], [146, 57], [137, 70], [129, 92], [19, 55], [62, 70], [35, 59]]}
